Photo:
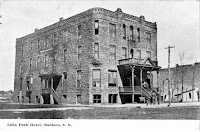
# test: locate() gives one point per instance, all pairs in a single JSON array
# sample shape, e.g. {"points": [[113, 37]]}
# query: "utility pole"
{"points": [[169, 47]]}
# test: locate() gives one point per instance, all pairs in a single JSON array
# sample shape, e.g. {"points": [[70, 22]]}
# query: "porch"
{"points": [[137, 78]]}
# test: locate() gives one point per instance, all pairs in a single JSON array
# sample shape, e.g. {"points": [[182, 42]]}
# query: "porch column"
{"points": [[150, 85], [141, 76], [52, 82], [43, 83], [133, 74]]}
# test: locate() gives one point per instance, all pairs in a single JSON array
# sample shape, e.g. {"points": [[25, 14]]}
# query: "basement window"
{"points": [[96, 98]]}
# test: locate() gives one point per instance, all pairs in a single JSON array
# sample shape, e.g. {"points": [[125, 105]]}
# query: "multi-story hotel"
{"points": [[97, 56]]}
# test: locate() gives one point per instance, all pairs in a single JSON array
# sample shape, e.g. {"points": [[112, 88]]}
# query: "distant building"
{"points": [[97, 56], [185, 80]]}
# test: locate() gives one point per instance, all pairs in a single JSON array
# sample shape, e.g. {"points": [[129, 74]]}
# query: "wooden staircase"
{"points": [[56, 96]]}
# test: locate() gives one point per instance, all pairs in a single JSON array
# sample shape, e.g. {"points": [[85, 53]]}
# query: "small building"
{"points": [[185, 83], [97, 56]]}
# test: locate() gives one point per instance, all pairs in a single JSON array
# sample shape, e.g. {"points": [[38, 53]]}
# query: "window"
{"points": [[54, 38], [148, 54], [139, 54], [112, 30], [131, 31], [148, 37], [78, 99], [112, 52], [65, 75], [96, 98], [79, 79], [79, 52], [112, 78], [124, 52], [96, 27], [30, 63], [131, 53], [96, 77], [37, 61], [112, 98], [79, 31], [46, 42], [31, 45], [21, 83], [124, 31], [65, 55], [138, 34], [22, 50], [190, 95], [96, 51], [38, 43], [45, 60]]}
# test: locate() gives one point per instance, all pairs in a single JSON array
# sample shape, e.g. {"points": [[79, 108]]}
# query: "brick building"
{"points": [[185, 83], [97, 56]]}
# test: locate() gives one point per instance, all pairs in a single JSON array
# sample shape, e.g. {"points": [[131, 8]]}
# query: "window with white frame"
{"points": [[96, 78], [112, 52], [112, 78]]}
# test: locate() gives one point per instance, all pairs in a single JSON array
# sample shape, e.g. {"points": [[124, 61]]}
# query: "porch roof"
{"points": [[146, 64], [49, 75]]}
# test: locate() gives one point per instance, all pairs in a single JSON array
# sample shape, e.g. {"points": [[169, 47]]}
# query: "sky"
{"points": [[177, 25]]}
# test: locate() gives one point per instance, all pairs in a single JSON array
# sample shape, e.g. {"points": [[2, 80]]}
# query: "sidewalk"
{"points": [[150, 106]]}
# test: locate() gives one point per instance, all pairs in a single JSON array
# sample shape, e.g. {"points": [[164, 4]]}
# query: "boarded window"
{"points": [[112, 52], [112, 78], [96, 98], [96, 77], [112, 30], [96, 27]]}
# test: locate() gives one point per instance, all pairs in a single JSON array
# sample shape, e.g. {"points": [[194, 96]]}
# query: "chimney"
{"points": [[36, 29], [61, 19]]}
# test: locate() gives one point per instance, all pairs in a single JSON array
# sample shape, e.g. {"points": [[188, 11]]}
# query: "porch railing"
{"points": [[130, 61], [137, 89], [46, 91]]}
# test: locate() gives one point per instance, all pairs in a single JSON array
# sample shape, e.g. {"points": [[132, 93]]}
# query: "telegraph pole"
{"points": [[169, 47]]}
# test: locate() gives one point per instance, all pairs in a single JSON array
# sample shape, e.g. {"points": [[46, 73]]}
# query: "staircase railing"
{"points": [[146, 93], [56, 97]]}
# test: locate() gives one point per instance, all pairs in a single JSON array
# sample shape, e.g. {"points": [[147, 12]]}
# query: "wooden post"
{"points": [[52, 82], [141, 77], [133, 74]]}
